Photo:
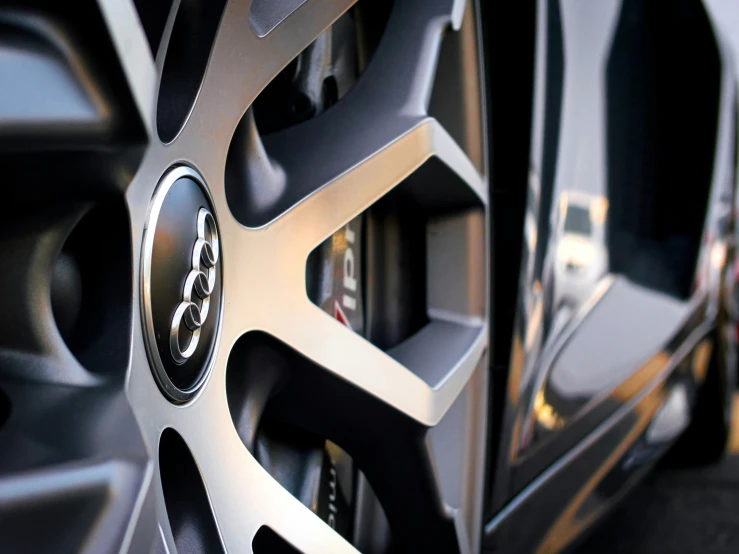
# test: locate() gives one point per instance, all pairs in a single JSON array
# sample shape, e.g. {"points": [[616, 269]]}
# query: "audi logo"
{"points": [[193, 310]]}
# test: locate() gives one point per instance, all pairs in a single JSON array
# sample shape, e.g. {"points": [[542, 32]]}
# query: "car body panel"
{"points": [[604, 368]]}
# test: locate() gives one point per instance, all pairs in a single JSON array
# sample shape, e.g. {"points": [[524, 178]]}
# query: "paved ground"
{"points": [[678, 511]]}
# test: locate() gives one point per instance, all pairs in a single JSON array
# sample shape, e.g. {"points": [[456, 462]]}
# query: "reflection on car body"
{"points": [[620, 286], [579, 243]]}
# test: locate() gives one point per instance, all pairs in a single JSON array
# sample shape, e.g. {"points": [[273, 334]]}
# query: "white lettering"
{"points": [[332, 486], [350, 281], [349, 302], [332, 499]]}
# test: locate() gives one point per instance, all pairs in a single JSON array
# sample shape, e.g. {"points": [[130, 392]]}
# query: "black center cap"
{"points": [[181, 283]]}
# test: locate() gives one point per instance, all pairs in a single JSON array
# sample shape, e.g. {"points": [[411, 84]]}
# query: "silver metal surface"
{"points": [[206, 250], [205, 219], [345, 167]]}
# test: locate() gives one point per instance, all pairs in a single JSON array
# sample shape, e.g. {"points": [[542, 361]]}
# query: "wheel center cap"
{"points": [[181, 283]]}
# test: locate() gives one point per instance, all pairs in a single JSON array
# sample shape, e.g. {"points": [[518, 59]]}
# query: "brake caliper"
{"points": [[335, 278]]}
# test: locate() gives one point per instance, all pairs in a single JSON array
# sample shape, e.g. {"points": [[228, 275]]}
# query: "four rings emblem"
{"points": [[192, 311], [181, 283]]}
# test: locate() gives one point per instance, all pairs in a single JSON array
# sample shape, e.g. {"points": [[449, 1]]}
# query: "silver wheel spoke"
{"points": [[190, 103], [353, 191], [242, 64], [134, 55], [232, 477], [387, 105], [261, 296]]}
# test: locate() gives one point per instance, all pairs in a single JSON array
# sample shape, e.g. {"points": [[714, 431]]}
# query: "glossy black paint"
{"points": [[626, 241], [171, 261]]}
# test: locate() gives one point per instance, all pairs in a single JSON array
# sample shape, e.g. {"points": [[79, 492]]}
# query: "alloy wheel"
{"points": [[161, 252]]}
